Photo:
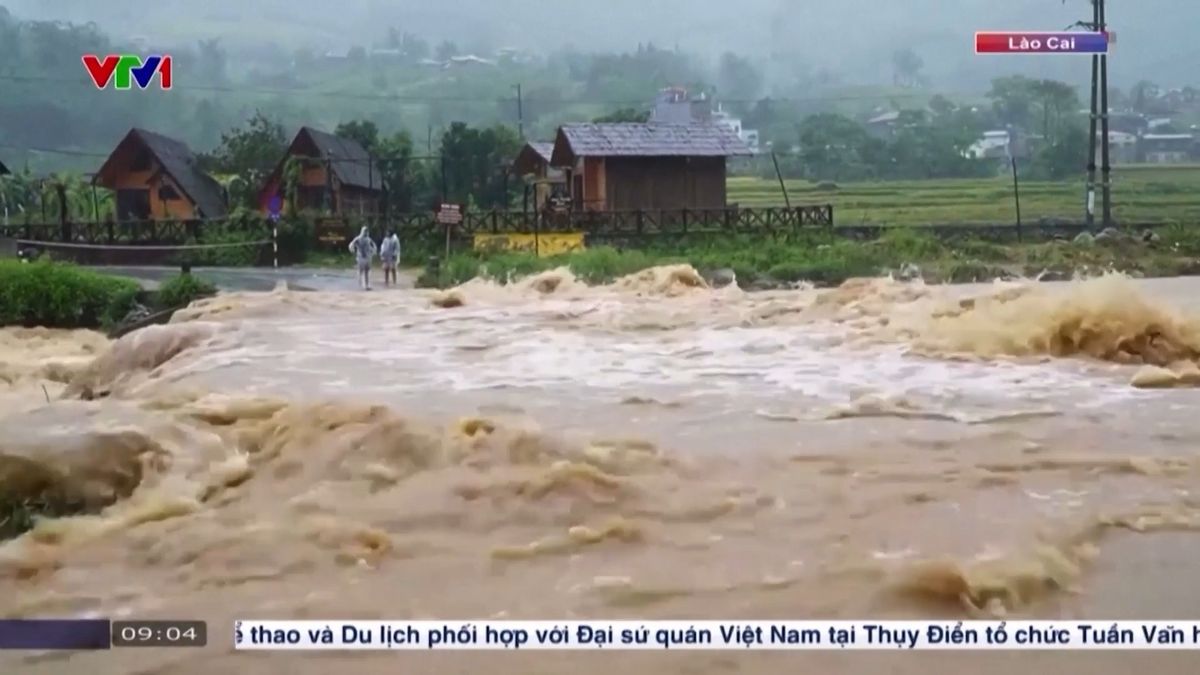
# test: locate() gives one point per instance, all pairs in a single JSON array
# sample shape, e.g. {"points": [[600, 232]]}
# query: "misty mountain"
{"points": [[854, 38]]}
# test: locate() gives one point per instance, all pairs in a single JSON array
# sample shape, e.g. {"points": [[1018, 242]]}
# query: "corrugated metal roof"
{"points": [[891, 116], [646, 140], [532, 156], [354, 167], [545, 149]]}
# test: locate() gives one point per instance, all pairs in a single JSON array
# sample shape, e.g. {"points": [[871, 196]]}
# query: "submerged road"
{"points": [[261, 279]]}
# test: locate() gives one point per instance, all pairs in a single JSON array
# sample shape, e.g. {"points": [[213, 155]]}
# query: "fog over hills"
{"points": [[852, 38]]}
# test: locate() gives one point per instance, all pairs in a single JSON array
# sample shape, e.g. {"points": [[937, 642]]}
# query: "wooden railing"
{"points": [[600, 224]]}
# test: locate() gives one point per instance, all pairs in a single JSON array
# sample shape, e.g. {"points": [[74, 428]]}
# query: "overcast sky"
{"points": [[1156, 38]]}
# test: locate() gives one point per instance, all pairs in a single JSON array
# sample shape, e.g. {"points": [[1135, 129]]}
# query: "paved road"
{"points": [[261, 279]]}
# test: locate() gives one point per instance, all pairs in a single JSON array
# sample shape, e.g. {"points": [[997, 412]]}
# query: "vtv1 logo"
{"points": [[126, 69]]}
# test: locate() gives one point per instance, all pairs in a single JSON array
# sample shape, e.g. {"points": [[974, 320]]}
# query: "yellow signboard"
{"points": [[544, 245]]}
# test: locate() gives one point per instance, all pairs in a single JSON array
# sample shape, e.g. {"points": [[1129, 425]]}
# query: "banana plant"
{"points": [[83, 202], [19, 196]]}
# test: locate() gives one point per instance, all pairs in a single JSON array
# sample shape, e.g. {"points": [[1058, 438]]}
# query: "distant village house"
{"points": [[336, 174], [1167, 148], [614, 167], [542, 180], [1122, 146], [883, 126], [675, 106], [157, 178]]}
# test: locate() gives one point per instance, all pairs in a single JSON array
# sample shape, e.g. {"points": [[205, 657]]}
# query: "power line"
{"points": [[471, 99], [335, 160], [52, 151]]}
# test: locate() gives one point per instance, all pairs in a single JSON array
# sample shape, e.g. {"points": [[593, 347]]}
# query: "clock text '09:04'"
{"points": [[159, 634]]}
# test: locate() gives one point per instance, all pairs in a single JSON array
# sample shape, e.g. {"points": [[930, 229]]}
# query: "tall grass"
{"points": [[824, 258]]}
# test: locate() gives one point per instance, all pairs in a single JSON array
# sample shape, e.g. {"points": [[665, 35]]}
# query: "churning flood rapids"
{"points": [[651, 449]]}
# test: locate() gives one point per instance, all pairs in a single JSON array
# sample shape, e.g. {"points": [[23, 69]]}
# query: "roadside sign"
{"points": [[332, 231], [275, 207], [449, 214]]}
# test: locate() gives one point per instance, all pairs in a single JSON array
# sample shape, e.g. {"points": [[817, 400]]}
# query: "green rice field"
{"points": [[1141, 194]]}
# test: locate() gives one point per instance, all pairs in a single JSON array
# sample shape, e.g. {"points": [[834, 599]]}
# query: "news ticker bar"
{"points": [[334, 634], [93, 634], [1038, 42], [56, 634], [715, 635]]}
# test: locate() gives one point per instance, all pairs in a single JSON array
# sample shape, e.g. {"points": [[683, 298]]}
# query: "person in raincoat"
{"points": [[389, 253], [363, 248]]}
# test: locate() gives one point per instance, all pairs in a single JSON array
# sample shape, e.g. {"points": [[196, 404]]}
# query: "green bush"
{"points": [[59, 295], [604, 264], [910, 244], [297, 235], [183, 290], [969, 271], [238, 231], [503, 267], [1184, 239]]}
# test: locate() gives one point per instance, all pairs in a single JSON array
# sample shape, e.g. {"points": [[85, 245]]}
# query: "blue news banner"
{"points": [[74, 634]]}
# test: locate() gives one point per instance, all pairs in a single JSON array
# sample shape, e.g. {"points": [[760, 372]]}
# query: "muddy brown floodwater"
{"points": [[652, 449]]}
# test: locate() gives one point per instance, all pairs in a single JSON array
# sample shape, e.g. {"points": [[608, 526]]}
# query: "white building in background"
{"points": [[993, 145], [748, 136], [674, 106]]}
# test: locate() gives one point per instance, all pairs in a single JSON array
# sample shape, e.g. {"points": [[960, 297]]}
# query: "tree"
{"points": [[394, 41], [250, 152], [414, 47], [408, 184], [933, 145], [1064, 157], [833, 147], [1013, 100], [405, 183], [906, 68], [475, 163], [19, 196], [446, 50], [212, 62], [737, 78], [775, 122], [1144, 94], [624, 115], [1055, 99], [364, 132]]}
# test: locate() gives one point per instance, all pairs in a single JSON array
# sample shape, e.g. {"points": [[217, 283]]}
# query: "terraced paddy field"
{"points": [[1141, 194]]}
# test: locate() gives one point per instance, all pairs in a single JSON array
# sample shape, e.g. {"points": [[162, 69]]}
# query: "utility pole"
{"points": [[1099, 112], [1090, 199], [520, 114], [1105, 167]]}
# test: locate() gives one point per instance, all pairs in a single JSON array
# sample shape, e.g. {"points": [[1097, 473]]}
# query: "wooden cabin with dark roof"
{"points": [[542, 180], [630, 167], [157, 178], [336, 175]]}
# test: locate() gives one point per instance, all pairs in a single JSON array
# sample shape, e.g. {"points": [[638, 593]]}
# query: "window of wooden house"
{"points": [[133, 204], [168, 193], [311, 196]]}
